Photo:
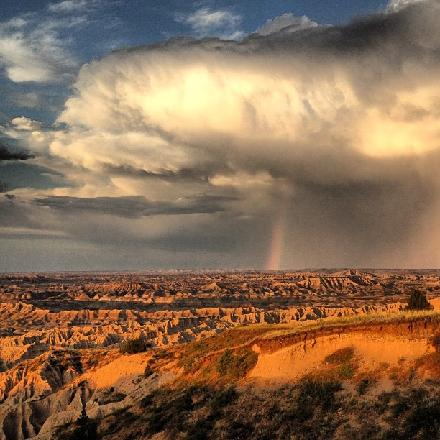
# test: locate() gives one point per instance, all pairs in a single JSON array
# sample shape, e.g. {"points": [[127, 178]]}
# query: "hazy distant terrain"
{"points": [[83, 310]]}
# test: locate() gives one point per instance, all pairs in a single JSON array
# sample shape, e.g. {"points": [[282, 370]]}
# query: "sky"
{"points": [[265, 134]]}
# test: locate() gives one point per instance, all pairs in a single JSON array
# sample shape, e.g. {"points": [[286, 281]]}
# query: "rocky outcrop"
{"points": [[44, 393], [105, 328]]}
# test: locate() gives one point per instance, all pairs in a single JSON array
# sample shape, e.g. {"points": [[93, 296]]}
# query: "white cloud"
{"points": [[68, 6], [207, 22], [25, 124], [32, 50], [288, 23], [396, 5]]}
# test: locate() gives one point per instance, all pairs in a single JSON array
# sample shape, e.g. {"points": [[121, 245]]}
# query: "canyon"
{"points": [[61, 337]]}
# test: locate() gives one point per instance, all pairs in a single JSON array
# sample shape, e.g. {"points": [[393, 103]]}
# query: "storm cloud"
{"points": [[136, 206], [8, 154], [315, 146]]}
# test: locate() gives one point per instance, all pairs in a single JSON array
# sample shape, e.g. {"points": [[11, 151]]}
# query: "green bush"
{"points": [[423, 421], [148, 370], [133, 346], [417, 301], [346, 371], [415, 414], [363, 386], [316, 394], [238, 364], [223, 398], [340, 356]]}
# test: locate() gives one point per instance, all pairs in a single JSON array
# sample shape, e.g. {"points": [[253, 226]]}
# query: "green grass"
{"points": [[343, 360], [236, 365], [346, 371]]}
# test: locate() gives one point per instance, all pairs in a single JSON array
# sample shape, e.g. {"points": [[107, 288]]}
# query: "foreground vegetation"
{"points": [[310, 409], [213, 399]]}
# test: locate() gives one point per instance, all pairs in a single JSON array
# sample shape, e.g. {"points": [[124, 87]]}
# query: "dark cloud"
{"points": [[201, 174], [135, 207], [7, 154], [18, 174], [14, 213]]}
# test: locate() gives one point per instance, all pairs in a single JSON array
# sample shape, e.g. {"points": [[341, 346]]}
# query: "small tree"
{"points": [[137, 345], [417, 301]]}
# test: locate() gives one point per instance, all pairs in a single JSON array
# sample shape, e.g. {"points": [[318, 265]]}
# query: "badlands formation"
{"points": [[219, 355]]}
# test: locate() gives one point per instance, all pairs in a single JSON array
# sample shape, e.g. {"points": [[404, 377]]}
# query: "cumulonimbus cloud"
{"points": [[333, 130], [367, 90]]}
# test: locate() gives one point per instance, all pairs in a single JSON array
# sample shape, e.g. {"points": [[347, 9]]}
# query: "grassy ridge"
{"points": [[195, 354]]}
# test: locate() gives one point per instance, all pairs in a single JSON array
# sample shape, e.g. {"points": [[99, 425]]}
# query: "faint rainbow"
{"points": [[276, 246]]}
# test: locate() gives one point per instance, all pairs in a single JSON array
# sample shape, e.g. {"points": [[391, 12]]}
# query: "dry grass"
{"points": [[348, 321], [200, 357], [194, 353]]}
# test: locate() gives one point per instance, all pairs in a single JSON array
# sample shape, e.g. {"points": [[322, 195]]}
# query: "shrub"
{"points": [[236, 365], [3, 366], [222, 398], [364, 385], [340, 356], [346, 371], [170, 409], [193, 410], [415, 414], [132, 346], [423, 421], [314, 394], [225, 362], [417, 301], [148, 370]]}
